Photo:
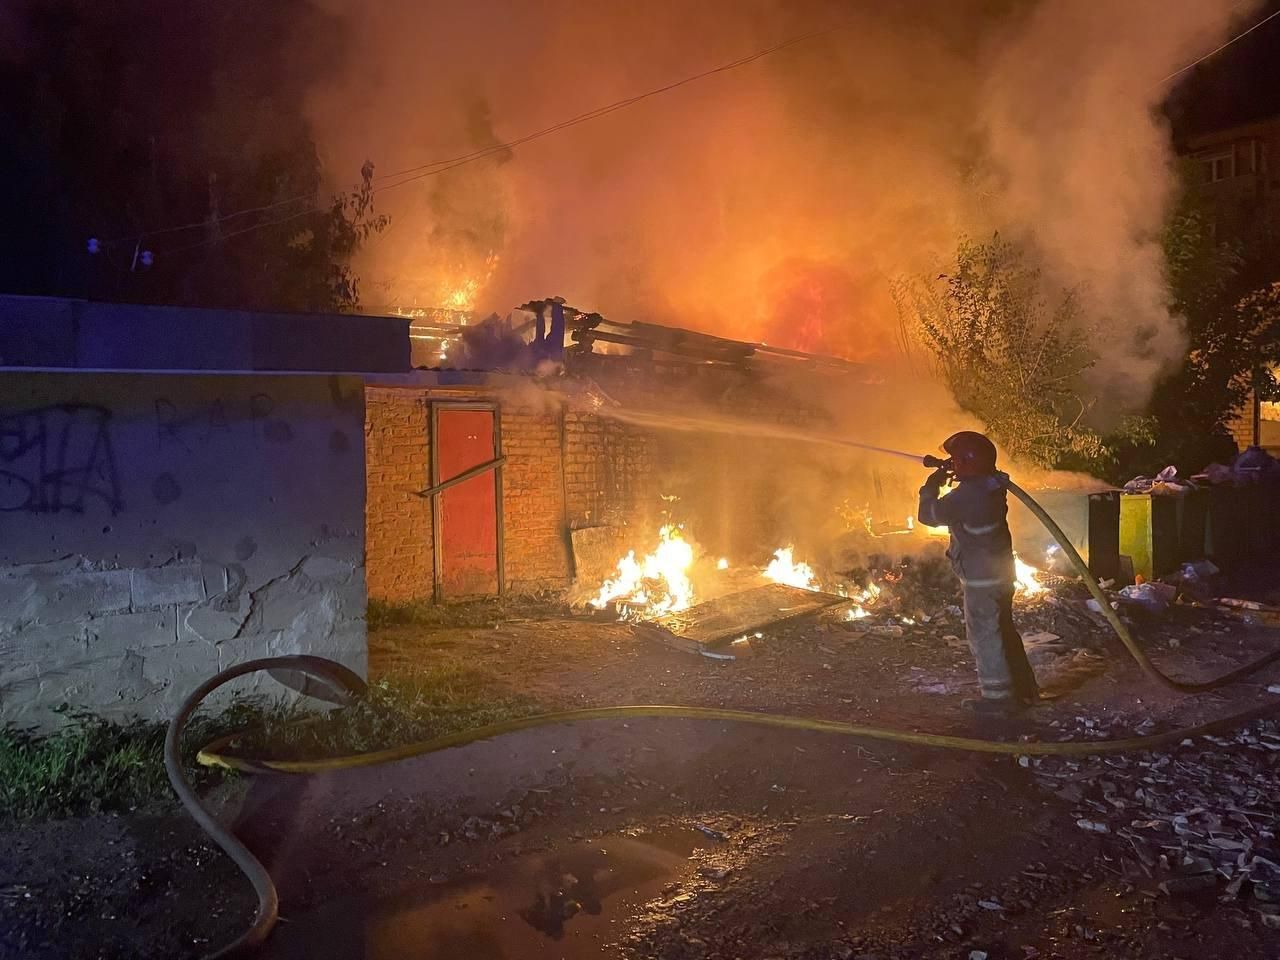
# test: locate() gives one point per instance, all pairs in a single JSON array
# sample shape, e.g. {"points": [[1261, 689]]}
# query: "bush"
{"points": [[1009, 355]]}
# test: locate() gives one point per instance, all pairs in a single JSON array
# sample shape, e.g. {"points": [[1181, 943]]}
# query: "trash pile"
{"points": [[922, 595], [1166, 482], [1251, 465], [919, 588], [1199, 820]]}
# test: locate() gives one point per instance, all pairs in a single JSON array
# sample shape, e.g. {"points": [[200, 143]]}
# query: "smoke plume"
{"points": [[774, 201]]}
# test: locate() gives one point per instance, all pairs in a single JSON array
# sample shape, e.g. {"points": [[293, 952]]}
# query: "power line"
{"points": [[1219, 49], [436, 167]]}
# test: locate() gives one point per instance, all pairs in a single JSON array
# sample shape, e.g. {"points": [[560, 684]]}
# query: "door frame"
{"points": [[437, 502]]}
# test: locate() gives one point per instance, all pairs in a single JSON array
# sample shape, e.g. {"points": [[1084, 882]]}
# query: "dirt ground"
{"points": [[683, 839]]}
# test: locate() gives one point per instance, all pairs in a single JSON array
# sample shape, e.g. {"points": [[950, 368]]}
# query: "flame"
{"points": [[462, 296], [655, 585], [454, 290], [722, 563], [784, 569], [1025, 578]]}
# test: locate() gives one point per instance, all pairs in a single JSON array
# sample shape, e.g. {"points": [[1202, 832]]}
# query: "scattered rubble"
{"points": [[1195, 821]]}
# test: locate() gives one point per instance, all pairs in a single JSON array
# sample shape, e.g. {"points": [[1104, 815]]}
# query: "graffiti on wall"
{"points": [[58, 459], [194, 425]]}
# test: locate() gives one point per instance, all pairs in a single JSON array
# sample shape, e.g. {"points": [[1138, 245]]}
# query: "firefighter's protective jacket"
{"points": [[975, 513]]}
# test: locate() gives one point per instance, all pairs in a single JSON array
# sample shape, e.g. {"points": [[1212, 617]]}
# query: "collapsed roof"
{"points": [[550, 329]]}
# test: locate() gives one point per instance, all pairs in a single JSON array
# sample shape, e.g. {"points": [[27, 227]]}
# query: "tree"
{"points": [[303, 263], [1010, 355]]}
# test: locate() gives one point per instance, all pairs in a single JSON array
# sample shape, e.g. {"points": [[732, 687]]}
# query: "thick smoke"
{"points": [[1083, 168], [774, 201]]}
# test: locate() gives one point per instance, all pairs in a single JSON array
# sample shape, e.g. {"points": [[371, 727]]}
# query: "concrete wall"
{"points": [[157, 528]]}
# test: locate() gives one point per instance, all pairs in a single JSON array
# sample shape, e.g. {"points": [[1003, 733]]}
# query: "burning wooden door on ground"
{"points": [[467, 554]]}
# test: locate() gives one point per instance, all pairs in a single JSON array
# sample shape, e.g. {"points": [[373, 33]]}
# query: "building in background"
{"points": [[1233, 174]]}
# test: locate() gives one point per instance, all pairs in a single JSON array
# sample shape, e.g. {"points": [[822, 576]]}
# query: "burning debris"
{"points": [[662, 581], [652, 586], [1027, 582]]}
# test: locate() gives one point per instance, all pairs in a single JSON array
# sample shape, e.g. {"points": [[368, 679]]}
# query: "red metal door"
{"points": [[467, 517]]}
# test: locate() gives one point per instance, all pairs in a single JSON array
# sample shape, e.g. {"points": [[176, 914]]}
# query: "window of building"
{"points": [[1218, 166]]}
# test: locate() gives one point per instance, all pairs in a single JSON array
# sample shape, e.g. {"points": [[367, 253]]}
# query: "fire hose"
{"points": [[325, 679]]}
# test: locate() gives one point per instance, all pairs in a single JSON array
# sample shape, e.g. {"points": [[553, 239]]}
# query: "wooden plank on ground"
{"points": [[718, 622]]}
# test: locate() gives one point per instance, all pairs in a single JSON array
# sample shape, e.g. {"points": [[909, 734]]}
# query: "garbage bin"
{"points": [[1226, 533], [1258, 505], [1149, 533], [1193, 515], [1104, 535]]}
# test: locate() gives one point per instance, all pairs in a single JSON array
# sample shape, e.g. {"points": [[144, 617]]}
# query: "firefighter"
{"points": [[981, 554]]}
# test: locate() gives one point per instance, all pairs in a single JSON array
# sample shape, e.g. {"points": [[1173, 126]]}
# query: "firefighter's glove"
{"points": [[938, 479]]}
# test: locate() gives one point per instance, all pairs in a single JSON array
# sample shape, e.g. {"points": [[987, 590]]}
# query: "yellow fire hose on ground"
{"points": [[325, 679]]}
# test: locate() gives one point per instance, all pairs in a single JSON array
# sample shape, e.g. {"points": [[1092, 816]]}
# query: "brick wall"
{"points": [[1242, 425], [398, 527], [608, 472], [1242, 431], [610, 489], [609, 485], [398, 546], [534, 545]]}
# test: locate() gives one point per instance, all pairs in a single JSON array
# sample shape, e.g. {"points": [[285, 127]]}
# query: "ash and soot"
{"points": [[860, 153]]}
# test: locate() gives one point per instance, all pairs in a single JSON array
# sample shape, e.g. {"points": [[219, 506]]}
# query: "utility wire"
{"points": [[435, 167], [1219, 49]]}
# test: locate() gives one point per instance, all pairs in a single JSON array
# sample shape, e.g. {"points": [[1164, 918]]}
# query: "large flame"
{"points": [[652, 586], [783, 568], [461, 291], [1025, 581]]}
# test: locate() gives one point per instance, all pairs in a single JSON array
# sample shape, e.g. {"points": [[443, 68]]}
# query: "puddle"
{"points": [[566, 904]]}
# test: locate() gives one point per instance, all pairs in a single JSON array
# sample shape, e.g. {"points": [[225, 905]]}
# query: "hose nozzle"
{"points": [[934, 463]]}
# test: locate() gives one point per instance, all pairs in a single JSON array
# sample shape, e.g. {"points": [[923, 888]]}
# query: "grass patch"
{"points": [[87, 766], [92, 765], [429, 702]]}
